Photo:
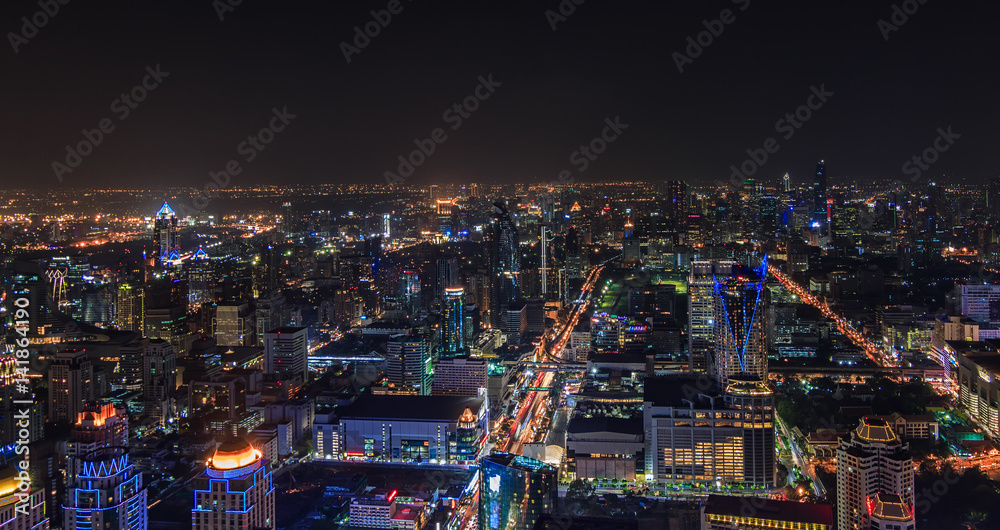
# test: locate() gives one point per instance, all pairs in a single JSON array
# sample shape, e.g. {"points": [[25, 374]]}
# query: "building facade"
{"points": [[235, 490], [286, 352], [872, 461], [515, 491], [106, 492]]}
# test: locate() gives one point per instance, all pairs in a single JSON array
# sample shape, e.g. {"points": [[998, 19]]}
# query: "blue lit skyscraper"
{"points": [[515, 491], [165, 243], [453, 326], [107, 492], [740, 307]]}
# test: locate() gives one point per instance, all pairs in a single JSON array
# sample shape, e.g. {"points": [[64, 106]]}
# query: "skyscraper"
{"points": [[159, 379], [701, 309], [504, 264], [286, 352], [130, 306], [740, 307], [874, 479], [70, 385], [235, 490], [408, 364], [453, 324], [107, 492], [819, 196], [515, 491], [165, 244]]}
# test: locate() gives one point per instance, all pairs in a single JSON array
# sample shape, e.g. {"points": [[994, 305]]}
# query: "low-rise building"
{"points": [[726, 512]]}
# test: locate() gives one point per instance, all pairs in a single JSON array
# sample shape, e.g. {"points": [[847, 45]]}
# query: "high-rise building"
{"points": [[874, 479], [408, 364], [159, 379], [71, 384], [20, 510], [286, 352], [236, 490], [677, 199], [504, 264], [233, 325], [460, 377], [166, 246], [453, 323], [130, 306], [701, 309], [97, 426], [740, 306], [515, 491], [107, 492], [819, 195]]}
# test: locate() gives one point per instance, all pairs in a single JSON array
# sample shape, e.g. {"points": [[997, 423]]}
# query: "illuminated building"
{"points": [[697, 432], [70, 385], [436, 429], [453, 323], [381, 510], [20, 510], [701, 309], [460, 377], [286, 351], [978, 379], [235, 491], [874, 471], [739, 310], [166, 247], [97, 426], [130, 307], [729, 512], [408, 364], [515, 491], [233, 325], [818, 188], [504, 252], [106, 492], [887, 511], [159, 379]]}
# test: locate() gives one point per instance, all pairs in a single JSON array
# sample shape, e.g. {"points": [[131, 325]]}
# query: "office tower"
{"points": [[20, 510], [515, 491], [97, 426], [169, 323], [159, 379], [287, 222], [786, 183], [504, 264], [460, 377], [70, 385], [873, 467], [740, 308], [447, 275], [130, 306], [286, 352], [233, 325], [819, 196], [701, 309], [408, 364], [128, 374], [235, 490], [677, 199], [453, 323], [386, 226], [166, 247], [107, 492]]}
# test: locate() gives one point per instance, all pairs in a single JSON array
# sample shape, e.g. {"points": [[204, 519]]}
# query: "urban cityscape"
{"points": [[652, 337]]}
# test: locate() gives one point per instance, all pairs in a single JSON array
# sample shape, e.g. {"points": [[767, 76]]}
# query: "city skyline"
{"points": [[234, 72]]}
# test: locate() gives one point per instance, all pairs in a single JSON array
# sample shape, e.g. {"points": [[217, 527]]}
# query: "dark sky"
{"points": [[608, 58]]}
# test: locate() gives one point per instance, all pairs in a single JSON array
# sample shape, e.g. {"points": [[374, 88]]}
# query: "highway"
{"points": [[872, 350]]}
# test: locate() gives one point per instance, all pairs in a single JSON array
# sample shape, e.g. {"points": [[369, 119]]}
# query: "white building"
{"points": [[872, 461], [460, 377], [974, 301], [286, 352]]}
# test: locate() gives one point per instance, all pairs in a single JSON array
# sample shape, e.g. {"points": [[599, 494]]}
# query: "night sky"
{"points": [[606, 59]]}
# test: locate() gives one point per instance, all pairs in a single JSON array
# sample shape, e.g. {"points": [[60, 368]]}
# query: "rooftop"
{"points": [[799, 512], [444, 408]]}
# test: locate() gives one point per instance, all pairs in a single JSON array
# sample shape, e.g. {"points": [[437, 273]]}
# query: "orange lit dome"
{"points": [[233, 454], [8, 480]]}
